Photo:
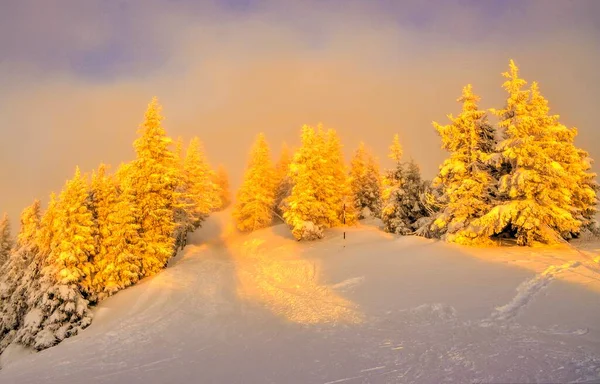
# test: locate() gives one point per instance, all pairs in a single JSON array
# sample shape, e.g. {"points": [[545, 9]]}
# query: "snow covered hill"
{"points": [[371, 308]]}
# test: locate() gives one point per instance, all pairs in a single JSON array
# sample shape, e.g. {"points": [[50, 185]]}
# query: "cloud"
{"points": [[74, 82]]}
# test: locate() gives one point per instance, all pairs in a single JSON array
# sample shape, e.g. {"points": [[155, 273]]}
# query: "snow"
{"points": [[371, 308]]}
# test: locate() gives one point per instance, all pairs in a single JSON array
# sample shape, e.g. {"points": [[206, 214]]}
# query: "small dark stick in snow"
{"points": [[344, 218]]}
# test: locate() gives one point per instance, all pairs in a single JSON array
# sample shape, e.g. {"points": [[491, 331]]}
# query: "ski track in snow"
{"points": [[348, 283], [189, 324], [528, 289]]}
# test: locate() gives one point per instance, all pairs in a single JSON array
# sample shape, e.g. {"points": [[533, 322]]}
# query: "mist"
{"points": [[76, 77]]}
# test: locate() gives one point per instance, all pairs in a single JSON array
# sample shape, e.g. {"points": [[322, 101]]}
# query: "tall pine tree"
{"points": [[321, 193], [150, 183], [253, 208], [537, 190], [465, 176]]}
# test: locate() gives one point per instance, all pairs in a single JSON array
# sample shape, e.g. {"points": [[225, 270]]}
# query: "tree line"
{"points": [[522, 177], [102, 234]]}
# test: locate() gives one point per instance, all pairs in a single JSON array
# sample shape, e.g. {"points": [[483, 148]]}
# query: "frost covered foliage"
{"points": [[433, 200], [403, 208], [321, 191], [547, 190], [403, 195], [197, 194], [221, 179], [6, 242], [365, 182], [465, 177], [253, 208], [118, 254], [150, 183], [61, 274], [13, 288]]}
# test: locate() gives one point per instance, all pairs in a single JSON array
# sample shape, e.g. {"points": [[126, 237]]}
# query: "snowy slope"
{"points": [[373, 308]]}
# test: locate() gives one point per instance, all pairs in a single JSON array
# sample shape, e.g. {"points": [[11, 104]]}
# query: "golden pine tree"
{"points": [[537, 192], [321, 193], [253, 208], [304, 211], [73, 243], [150, 183], [203, 191], [47, 226], [338, 191], [221, 180], [465, 177], [118, 254], [396, 151], [59, 276]]}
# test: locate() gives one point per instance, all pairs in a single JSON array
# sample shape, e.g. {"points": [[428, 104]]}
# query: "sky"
{"points": [[76, 76]]}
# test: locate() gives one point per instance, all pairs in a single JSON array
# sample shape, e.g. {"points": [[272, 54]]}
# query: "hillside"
{"points": [[371, 308]]}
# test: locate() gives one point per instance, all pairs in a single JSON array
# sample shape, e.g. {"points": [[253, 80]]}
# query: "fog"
{"points": [[76, 77]]}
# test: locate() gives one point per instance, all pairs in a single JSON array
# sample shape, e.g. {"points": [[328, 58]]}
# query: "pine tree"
{"points": [[221, 179], [74, 246], [150, 182], [306, 212], [537, 192], [204, 192], [396, 151], [465, 177], [6, 241], [338, 191], [403, 194], [118, 252], [57, 282], [575, 162], [284, 181], [365, 181], [255, 199], [403, 207], [321, 193], [14, 283]]}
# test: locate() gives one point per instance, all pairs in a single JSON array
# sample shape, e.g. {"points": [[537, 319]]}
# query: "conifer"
{"points": [[546, 186], [118, 252], [150, 182], [402, 196], [365, 181], [203, 191], [305, 208], [74, 246], [337, 189], [221, 179], [465, 177], [14, 283], [253, 208], [321, 193], [61, 275]]}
